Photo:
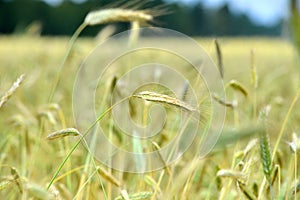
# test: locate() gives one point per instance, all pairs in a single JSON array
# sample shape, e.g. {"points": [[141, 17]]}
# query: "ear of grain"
{"points": [[11, 90], [238, 87], [231, 174], [249, 147], [4, 184], [38, 192], [116, 15], [63, 133], [108, 176], [17, 179], [48, 115], [220, 59], [275, 173], [165, 99], [265, 152], [113, 83], [232, 104]]}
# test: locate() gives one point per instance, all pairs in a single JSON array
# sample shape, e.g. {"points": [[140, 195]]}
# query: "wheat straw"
{"points": [[254, 78], [136, 196], [162, 98], [245, 191], [11, 90], [157, 149], [153, 183], [116, 15], [250, 146]]}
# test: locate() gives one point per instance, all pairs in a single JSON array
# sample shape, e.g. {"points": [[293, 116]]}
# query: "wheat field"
{"points": [[248, 162]]}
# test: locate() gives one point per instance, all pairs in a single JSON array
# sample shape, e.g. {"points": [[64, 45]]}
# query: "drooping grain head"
{"points": [[117, 15], [238, 87], [11, 90], [162, 98], [63, 133]]}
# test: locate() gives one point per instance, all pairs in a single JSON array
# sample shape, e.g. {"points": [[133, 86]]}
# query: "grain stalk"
{"points": [[136, 17], [82, 139], [254, 82]]}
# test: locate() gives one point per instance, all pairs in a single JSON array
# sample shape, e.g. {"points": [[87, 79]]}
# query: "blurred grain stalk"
{"points": [[295, 21]]}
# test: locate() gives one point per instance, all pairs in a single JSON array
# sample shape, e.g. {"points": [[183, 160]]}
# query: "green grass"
{"points": [[28, 160]]}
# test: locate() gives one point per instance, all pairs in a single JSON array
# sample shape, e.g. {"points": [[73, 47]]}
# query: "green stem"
{"points": [[70, 46], [285, 123], [79, 141]]}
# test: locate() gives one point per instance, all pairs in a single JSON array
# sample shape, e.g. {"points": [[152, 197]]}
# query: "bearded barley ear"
{"points": [[164, 99], [116, 15], [11, 90], [63, 133]]}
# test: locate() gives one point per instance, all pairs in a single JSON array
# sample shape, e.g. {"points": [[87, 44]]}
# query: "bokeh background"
{"points": [[192, 17]]}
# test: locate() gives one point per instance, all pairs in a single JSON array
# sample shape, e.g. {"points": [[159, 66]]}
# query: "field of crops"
{"points": [[255, 157]]}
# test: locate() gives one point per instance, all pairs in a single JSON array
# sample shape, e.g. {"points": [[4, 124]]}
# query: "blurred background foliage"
{"points": [[19, 16], [295, 22]]}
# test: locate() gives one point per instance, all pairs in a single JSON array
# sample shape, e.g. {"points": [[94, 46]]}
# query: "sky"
{"points": [[260, 12]]}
